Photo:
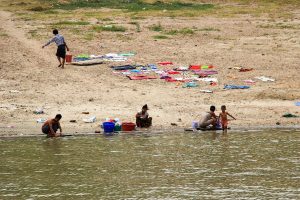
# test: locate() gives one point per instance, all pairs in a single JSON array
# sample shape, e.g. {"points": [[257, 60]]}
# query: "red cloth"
{"points": [[171, 80], [165, 63], [246, 69], [141, 77], [195, 67], [173, 72], [198, 67]]}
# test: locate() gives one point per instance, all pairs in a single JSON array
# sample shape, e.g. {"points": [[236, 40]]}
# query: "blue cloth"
{"points": [[78, 59], [190, 84], [152, 66], [236, 87], [135, 71], [297, 103]]}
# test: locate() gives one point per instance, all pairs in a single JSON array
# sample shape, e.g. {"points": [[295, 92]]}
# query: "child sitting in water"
{"points": [[223, 117]]}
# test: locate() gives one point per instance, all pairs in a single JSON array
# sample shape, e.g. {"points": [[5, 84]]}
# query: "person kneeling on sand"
{"points": [[209, 118], [50, 126], [142, 118], [61, 47]]}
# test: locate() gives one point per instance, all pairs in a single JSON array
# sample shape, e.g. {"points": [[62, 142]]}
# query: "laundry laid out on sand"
{"points": [[204, 77], [86, 59], [141, 77], [89, 62], [236, 87], [189, 76]]}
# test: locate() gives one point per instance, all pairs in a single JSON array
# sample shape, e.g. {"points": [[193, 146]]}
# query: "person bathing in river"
{"points": [[51, 126], [223, 117], [142, 118], [61, 47], [209, 118]]}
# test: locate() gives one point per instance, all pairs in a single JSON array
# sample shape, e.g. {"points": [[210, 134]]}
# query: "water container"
{"points": [[117, 127], [128, 126], [68, 58], [195, 124], [108, 127]]}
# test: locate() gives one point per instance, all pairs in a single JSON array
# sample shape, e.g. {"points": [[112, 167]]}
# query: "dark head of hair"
{"points": [[212, 108], [145, 107], [58, 116], [223, 107], [55, 31]]}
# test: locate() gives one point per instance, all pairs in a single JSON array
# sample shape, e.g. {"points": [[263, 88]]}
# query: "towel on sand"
{"points": [[165, 63], [141, 77], [289, 115], [123, 67], [206, 72], [236, 87]]}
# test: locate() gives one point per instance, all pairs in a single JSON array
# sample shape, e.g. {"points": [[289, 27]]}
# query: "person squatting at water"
{"points": [[51, 126], [142, 118], [209, 118], [61, 47]]}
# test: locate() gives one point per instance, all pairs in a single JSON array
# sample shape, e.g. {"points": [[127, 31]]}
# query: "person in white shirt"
{"points": [[61, 47]]}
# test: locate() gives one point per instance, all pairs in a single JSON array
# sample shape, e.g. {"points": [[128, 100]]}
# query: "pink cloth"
{"points": [[141, 77]]}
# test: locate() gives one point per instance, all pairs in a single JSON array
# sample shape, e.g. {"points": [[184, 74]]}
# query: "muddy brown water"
{"points": [[238, 165]]}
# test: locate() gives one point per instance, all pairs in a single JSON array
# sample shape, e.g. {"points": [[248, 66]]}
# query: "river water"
{"points": [[237, 165]]}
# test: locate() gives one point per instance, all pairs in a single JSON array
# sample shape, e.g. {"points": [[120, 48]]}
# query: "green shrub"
{"points": [[209, 29], [132, 5], [70, 23], [156, 27], [160, 37], [137, 25], [184, 31], [38, 9]]}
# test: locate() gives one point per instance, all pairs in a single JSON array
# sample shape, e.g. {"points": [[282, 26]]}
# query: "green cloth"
{"points": [[190, 84], [127, 54], [83, 56]]}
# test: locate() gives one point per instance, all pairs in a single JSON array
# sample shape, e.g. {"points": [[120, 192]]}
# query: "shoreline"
{"points": [[161, 131], [26, 84]]}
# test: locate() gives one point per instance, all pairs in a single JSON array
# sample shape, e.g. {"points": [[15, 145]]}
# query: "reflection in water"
{"points": [[212, 165], [52, 145]]}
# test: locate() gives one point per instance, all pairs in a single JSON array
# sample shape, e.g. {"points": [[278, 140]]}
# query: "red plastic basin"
{"points": [[68, 58], [128, 126]]}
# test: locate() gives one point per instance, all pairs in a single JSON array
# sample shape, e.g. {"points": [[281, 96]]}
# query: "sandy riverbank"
{"points": [[30, 78]]}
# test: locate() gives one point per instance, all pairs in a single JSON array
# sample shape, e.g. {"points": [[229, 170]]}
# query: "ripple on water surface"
{"points": [[246, 165]]}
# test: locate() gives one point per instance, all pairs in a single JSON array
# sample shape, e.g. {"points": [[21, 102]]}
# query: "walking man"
{"points": [[61, 47]]}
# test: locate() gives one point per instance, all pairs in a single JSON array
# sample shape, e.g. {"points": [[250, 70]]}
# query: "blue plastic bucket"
{"points": [[108, 127]]}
